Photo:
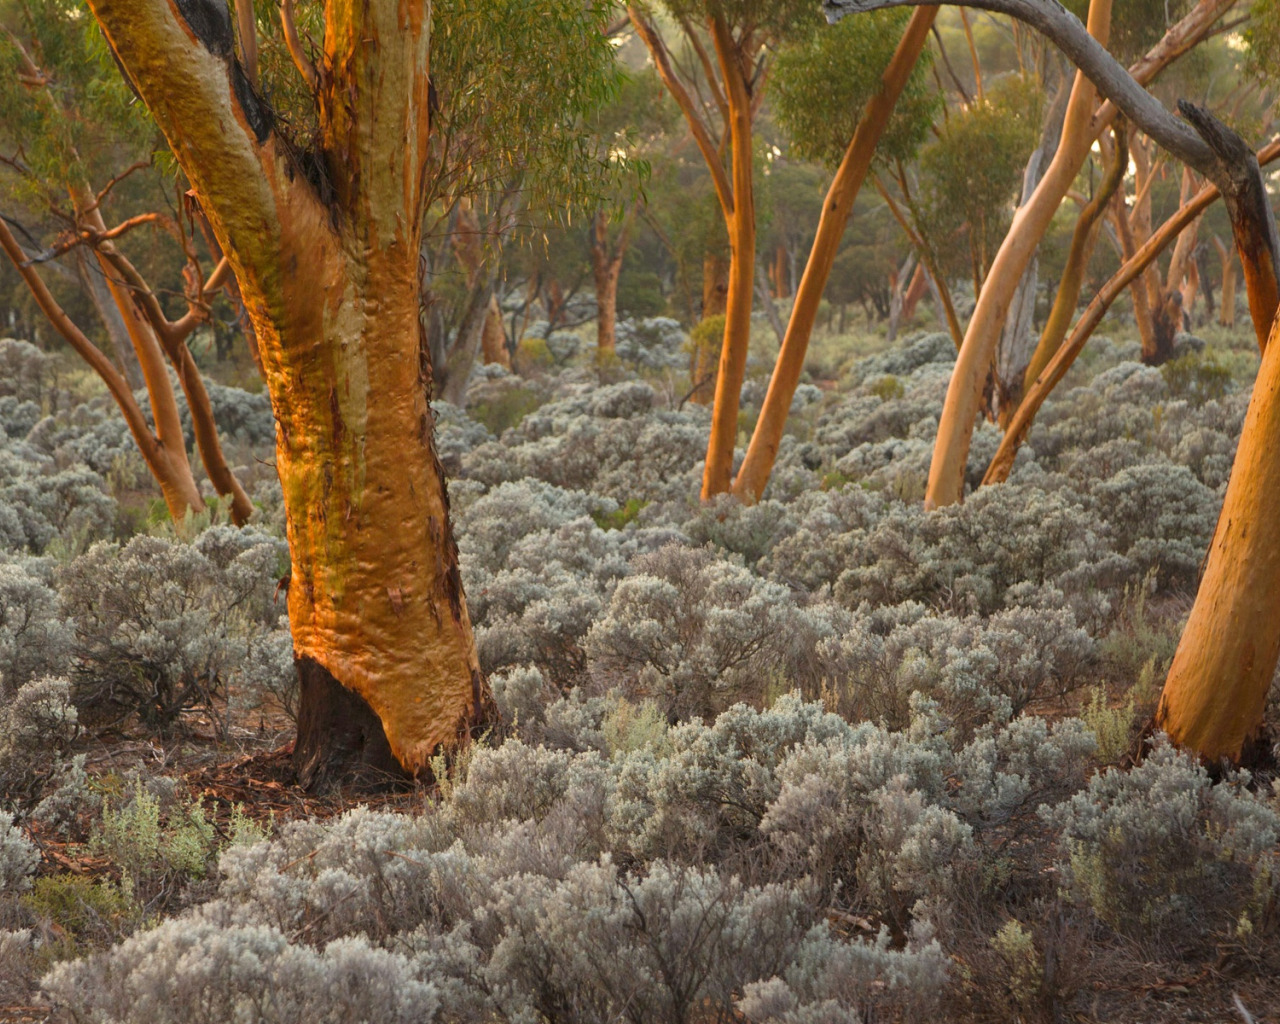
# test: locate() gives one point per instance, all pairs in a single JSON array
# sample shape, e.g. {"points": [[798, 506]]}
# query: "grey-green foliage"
{"points": [[34, 634], [602, 880], [18, 857], [685, 626], [1161, 852], [161, 626], [37, 722]]}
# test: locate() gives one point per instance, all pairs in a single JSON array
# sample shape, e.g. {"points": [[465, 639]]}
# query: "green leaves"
{"points": [[822, 82]]}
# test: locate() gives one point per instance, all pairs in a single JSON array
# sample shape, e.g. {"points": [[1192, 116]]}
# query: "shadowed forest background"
{"points": [[555, 510]]}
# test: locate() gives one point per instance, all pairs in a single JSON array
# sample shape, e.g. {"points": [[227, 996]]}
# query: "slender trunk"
{"points": [[177, 488], [1227, 307], [109, 316], [606, 266], [1129, 272], [955, 428], [702, 361], [1206, 282], [1216, 690], [178, 484], [493, 338], [1083, 239], [1138, 289], [899, 281], [1190, 291], [717, 473], [836, 208], [1017, 344], [916, 288], [766, 300]]}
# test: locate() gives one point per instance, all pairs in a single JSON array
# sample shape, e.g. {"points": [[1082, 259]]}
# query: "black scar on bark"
{"points": [[341, 742], [257, 112], [210, 21]]}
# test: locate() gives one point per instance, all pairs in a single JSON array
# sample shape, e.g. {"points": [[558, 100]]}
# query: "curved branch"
{"points": [[147, 442], [1020, 425], [662, 61], [1108, 76], [291, 40], [1201, 141]]}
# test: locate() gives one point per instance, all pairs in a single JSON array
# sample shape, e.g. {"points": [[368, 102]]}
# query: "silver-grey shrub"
{"points": [[1164, 854]]}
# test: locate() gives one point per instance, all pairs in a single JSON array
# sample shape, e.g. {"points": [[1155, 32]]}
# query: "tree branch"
{"points": [[1020, 425], [658, 50], [299, 55], [1201, 141]]}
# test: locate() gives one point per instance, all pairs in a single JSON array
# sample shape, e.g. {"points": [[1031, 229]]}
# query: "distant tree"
{"points": [[838, 106]]}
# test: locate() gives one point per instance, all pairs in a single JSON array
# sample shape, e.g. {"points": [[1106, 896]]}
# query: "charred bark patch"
{"points": [[259, 115], [341, 741], [210, 22]]}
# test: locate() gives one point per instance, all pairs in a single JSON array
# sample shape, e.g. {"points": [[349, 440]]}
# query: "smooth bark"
{"points": [[762, 451], [1002, 463]]}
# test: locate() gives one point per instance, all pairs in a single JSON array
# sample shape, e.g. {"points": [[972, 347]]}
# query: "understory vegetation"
{"points": [[825, 758]]}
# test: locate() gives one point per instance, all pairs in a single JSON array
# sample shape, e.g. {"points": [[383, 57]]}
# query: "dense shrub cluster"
{"points": [[776, 763]]}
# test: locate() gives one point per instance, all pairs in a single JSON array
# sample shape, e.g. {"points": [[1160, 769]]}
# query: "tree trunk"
{"points": [[109, 316], [1227, 305], [899, 282], [1129, 272], [765, 295], [955, 428], [1083, 238], [606, 267], [702, 361], [757, 466], [718, 471], [1017, 344], [493, 340], [332, 286], [1216, 690], [918, 285]]}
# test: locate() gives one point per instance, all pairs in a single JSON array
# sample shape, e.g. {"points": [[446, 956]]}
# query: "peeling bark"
{"points": [[331, 284]]}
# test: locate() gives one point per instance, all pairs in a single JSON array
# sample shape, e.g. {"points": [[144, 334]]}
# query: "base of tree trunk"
{"points": [[340, 741], [1258, 755]]}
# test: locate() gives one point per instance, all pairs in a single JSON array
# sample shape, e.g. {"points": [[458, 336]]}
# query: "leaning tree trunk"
{"points": [[959, 412], [757, 465], [380, 626], [1217, 686], [1227, 305]]}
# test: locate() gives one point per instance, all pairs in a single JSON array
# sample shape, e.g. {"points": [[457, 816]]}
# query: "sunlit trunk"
{"points": [[968, 380]]}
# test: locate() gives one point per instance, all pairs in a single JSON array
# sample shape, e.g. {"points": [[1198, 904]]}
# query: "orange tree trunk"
{"points": [[1082, 241], [741, 222], [843, 191], [380, 625], [493, 342], [1216, 690], [968, 380], [702, 360]]}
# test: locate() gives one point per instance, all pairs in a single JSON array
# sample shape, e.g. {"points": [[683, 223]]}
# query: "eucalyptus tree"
{"points": [[1215, 693], [319, 211], [66, 124], [719, 91], [841, 93]]}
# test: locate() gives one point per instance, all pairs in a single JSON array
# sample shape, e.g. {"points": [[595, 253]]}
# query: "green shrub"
{"points": [[1197, 377]]}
